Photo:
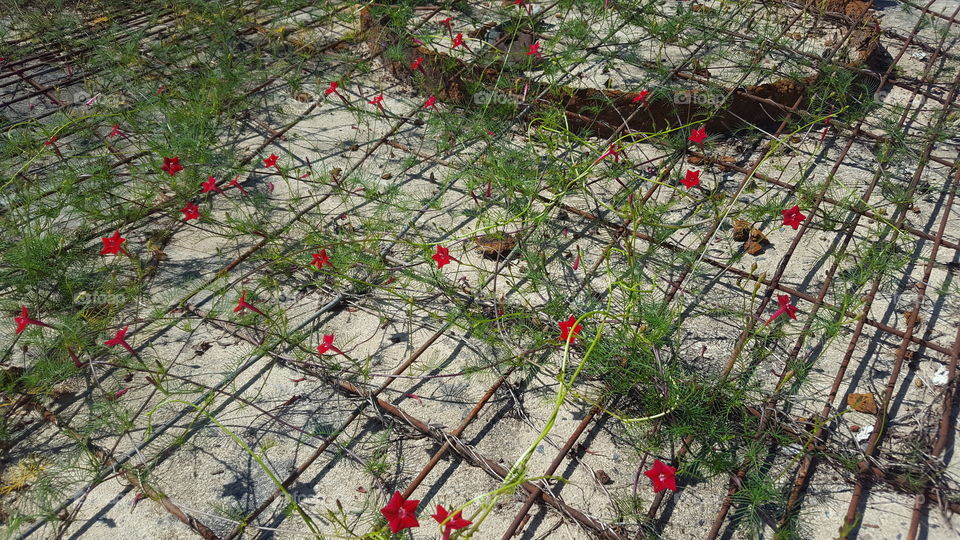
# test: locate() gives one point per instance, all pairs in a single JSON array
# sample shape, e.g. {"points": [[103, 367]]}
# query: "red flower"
{"points": [[792, 217], [327, 345], [454, 522], [332, 89], [243, 304], [568, 330], [190, 211], [663, 476], [237, 184], [642, 97], [400, 513], [113, 244], [172, 165], [271, 161], [120, 339], [378, 101], [116, 132], [416, 65], [458, 40], [431, 102], [446, 22], [119, 393], [24, 319], [535, 50], [785, 307], [698, 135], [51, 140], [692, 179], [442, 256], [320, 259], [211, 185], [612, 151]]}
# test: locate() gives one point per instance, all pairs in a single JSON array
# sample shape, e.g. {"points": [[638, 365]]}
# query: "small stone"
{"points": [[494, 246], [386, 176], [694, 160], [740, 230], [865, 403], [354, 148], [854, 428], [603, 477], [757, 236], [303, 97], [753, 248]]}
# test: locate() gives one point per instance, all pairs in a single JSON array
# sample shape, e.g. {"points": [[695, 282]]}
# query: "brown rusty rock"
{"points": [[495, 246], [603, 477], [753, 248], [757, 236], [864, 403], [741, 230]]}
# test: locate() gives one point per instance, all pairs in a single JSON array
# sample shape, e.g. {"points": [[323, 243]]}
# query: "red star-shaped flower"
{"points": [[447, 22], [642, 97], [785, 307], [211, 185], [51, 140], [568, 330], [115, 132], [792, 216], [458, 40], [24, 319], [190, 211], [243, 304], [416, 65], [612, 151], [120, 339], [172, 165], [271, 161], [442, 256], [113, 245], [332, 89], [431, 102], [535, 50], [378, 101], [400, 513], [320, 259], [327, 345], [455, 522], [691, 179], [237, 185], [698, 135], [663, 476]]}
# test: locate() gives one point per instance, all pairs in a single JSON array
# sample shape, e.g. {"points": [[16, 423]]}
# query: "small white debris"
{"points": [[792, 449], [941, 377], [863, 435], [919, 56]]}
